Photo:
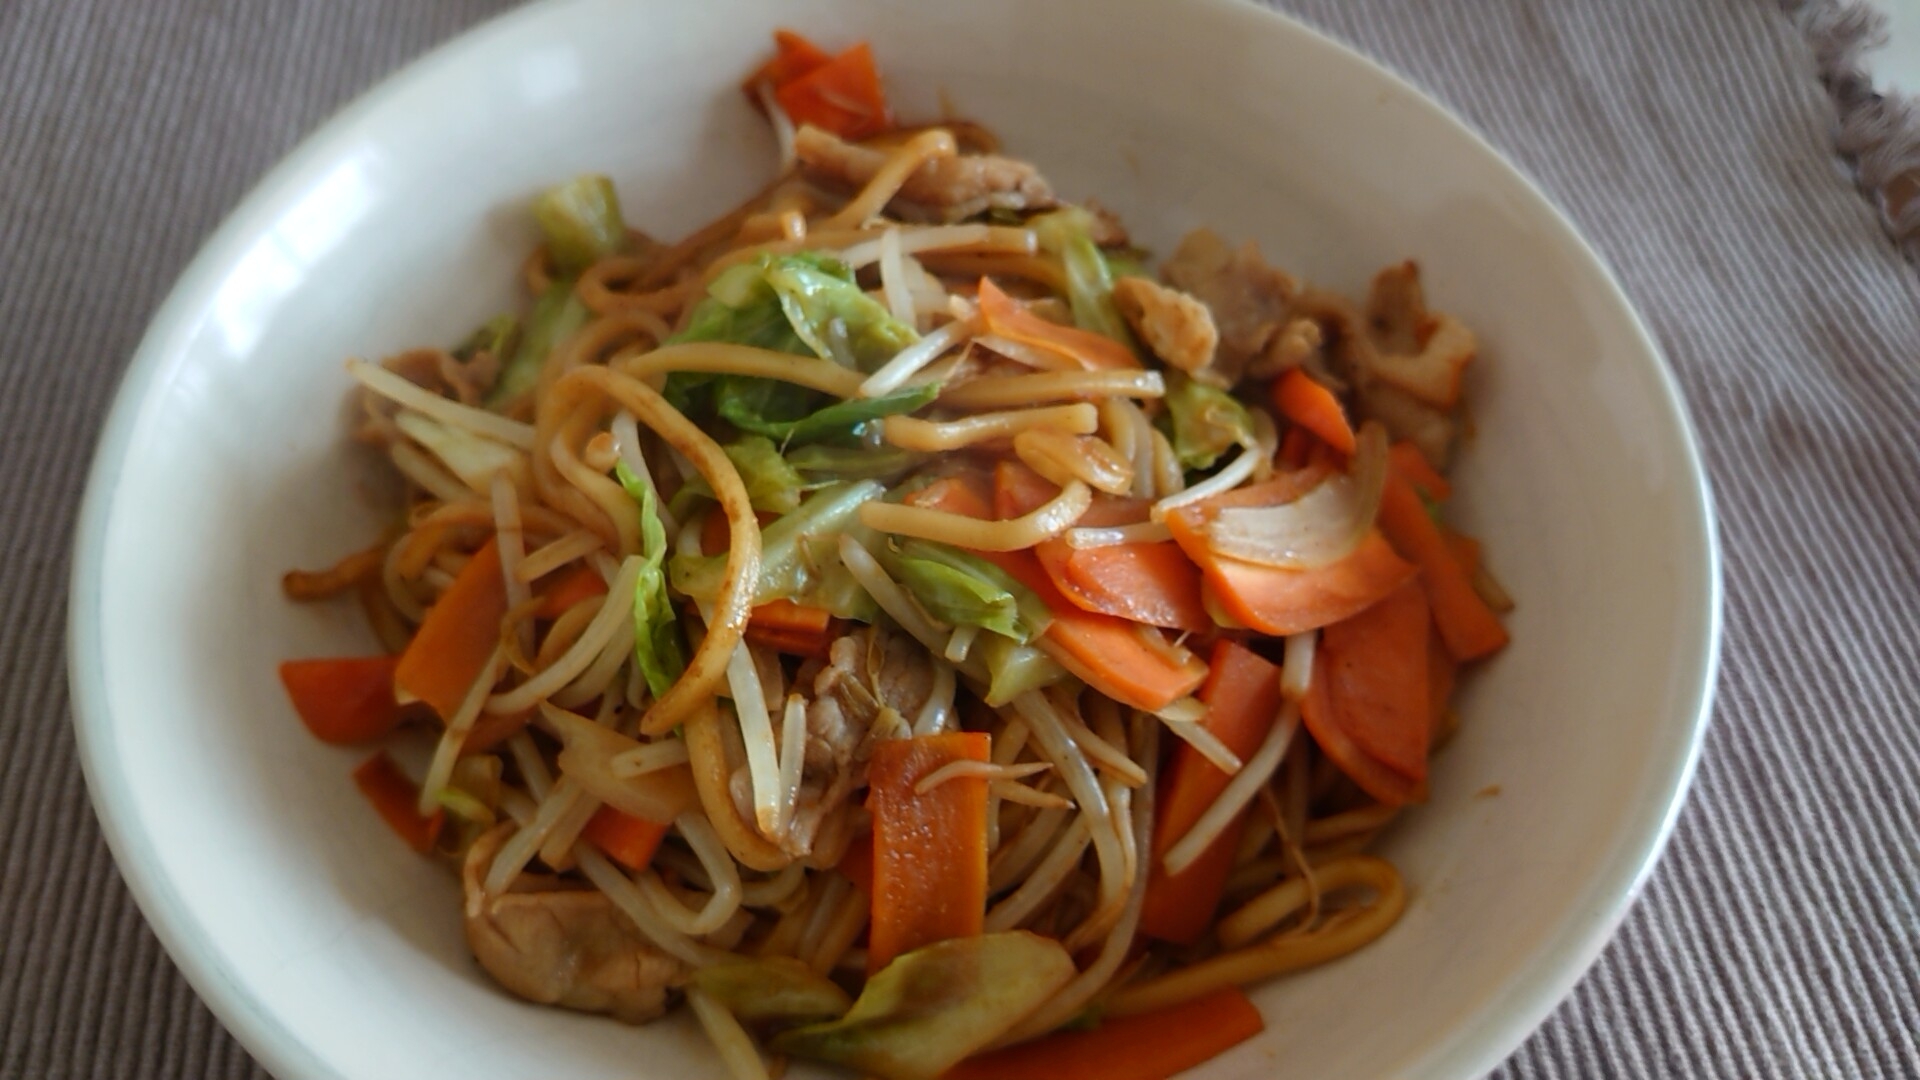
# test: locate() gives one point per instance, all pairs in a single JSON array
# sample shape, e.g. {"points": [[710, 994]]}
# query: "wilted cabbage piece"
{"points": [[932, 1007], [773, 991], [656, 626], [790, 564], [1205, 421]]}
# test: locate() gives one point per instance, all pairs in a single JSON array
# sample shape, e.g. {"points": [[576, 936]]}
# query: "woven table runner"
{"points": [[1693, 143]]}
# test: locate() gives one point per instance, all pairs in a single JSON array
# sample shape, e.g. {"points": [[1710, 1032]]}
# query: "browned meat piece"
{"points": [[1360, 351], [1106, 228], [1250, 300], [1422, 352], [1178, 328], [875, 682], [566, 947], [950, 189]]}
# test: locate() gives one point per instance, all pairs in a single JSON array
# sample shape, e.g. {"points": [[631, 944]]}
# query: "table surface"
{"points": [[1780, 936]]}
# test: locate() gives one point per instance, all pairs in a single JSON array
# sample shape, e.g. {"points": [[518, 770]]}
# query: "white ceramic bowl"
{"points": [[333, 952]]}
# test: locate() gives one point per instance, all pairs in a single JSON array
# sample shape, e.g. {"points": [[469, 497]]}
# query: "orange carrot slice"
{"points": [[1146, 1046], [1243, 697], [1407, 460], [458, 637], [1006, 317], [842, 95], [1469, 626], [1314, 408], [1378, 682], [794, 56], [568, 588], [1317, 712], [397, 799], [343, 701], [626, 839], [929, 850]]}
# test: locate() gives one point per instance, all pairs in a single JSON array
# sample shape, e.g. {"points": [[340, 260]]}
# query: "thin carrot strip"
{"points": [[1313, 407], [570, 588], [1145, 1046], [397, 798], [1004, 316], [1317, 713], [842, 95], [929, 850], [1242, 693], [1412, 465], [1378, 681], [1469, 626], [454, 643], [343, 701], [625, 838]]}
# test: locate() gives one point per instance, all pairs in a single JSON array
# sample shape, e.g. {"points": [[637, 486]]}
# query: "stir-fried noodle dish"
{"points": [[906, 621]]}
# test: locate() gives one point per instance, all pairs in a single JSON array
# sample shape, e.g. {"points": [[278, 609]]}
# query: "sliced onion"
{"points": [[1323, 526], [588, 757]]}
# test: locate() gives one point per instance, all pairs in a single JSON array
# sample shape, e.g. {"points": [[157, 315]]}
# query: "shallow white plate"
{"points": [[332, 952]]}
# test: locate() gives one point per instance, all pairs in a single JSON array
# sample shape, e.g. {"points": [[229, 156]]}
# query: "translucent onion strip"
{"points": [[996, 239], [1237, 795], [1031, 355], [394, 388], [651, 757], [418, 466]]}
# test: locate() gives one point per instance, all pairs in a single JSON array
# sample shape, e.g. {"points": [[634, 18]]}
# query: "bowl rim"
{"points": [[1528, 998]]}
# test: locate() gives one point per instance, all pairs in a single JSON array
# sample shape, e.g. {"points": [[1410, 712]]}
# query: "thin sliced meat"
{"points": [[1178, 328], [874, 684], [568, 947], [949, 189], [1250, 301]]}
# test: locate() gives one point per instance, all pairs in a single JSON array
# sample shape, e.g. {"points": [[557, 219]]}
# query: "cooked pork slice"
{"points": [[875, 682], [1178, 328], [948, 189], [1249, 300], [559, 946]]}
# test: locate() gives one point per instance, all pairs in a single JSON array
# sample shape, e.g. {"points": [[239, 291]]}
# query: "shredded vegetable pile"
{"points": [[901, 626]]}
